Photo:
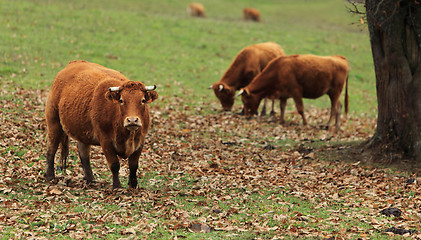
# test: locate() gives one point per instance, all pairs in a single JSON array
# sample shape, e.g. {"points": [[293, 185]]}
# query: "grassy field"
{"points": [[158, 43], [204, 174]]}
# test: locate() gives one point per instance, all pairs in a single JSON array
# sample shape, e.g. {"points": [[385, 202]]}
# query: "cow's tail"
{"points": [[346, 101]]}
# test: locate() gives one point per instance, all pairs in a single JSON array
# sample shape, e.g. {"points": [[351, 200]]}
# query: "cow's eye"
{"points": [[120, 101], [143, 100]]}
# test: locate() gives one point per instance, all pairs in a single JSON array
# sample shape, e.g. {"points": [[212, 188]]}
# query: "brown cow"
{"points": [[299, 76], [251, 14], [196, 10], [97, 106], [249, 62]]}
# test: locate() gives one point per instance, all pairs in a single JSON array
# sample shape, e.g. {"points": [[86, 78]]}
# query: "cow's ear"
{"points": [[242, 92], [151, 96], [113, 96]]}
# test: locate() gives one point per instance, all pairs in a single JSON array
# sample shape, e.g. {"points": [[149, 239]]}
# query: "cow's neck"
{"points": [[233, 78], [128, 142], [132, 143]]}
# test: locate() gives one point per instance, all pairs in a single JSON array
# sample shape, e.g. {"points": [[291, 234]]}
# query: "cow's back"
{"points": [[253, 58], [79, 78], [316, 75], [266, 52]]}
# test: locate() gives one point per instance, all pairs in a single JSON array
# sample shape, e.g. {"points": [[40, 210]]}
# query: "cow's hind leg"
{"points": [[64, 152], [338, 116], [334, 110], [55, 136], [84, 155]]}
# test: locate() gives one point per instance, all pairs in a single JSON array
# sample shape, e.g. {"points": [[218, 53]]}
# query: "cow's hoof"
{"points": [[117, 186], [324, 127], [133, 183], [89, 180], [133, 190], [337, 129], [49, 177]]}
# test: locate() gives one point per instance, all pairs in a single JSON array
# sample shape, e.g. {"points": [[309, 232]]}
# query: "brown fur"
{"points": [[80, 105], [196, 10], [249, 62], [300, 76], [251, 14]]}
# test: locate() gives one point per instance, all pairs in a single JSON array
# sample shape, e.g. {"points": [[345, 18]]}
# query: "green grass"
{"points": [[158, 43]]}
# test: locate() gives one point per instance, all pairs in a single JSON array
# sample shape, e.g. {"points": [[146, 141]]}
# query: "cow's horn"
{"points": [[114, 89], [239, 93], [150, 88], [221, 87]]}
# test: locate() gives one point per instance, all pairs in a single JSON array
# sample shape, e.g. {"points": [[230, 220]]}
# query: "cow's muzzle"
{"points": [[132, 123]]}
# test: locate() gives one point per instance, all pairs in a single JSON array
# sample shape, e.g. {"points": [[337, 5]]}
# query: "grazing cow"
{"points": [[97, 106], [196, 10], [251, 14], [249, 62], [299, 76]]}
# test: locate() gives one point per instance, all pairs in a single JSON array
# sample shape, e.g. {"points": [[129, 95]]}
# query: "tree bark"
{"points": [[395, 36]]}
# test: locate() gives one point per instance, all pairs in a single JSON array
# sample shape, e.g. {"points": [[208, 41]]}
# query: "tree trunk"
{"points": [[395, 36]]}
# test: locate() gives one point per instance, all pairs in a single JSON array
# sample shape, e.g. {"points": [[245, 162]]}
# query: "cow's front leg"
{"points": [[335, 109], [64, 152], [115, 168], [338, 116], [113, 163], [54, 137], [133, 166], [263, 112]]}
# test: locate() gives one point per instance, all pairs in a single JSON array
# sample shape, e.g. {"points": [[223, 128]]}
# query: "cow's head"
{"points": [[250, 101], [225, 94], [132, 98]]}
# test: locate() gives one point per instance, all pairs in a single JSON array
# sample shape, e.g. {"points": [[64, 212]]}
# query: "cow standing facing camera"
{"points": [[97, 106]]}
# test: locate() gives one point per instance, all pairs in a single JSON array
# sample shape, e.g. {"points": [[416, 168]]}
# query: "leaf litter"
{"points": [[203, 171]]}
